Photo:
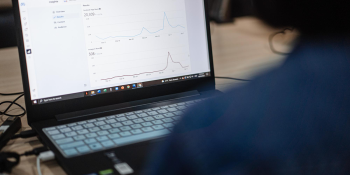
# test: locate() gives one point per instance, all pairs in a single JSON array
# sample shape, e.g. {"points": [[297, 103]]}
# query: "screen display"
{"points": [[79, 48]]}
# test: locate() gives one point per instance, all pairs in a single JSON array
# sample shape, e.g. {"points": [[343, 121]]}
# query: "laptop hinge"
{"points": [[121, 106]]}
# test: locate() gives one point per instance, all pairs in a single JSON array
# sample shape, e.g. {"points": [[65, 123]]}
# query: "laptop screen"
{"points": [[81, 48]]}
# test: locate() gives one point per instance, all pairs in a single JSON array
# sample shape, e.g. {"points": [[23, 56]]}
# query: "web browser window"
{"points": [[78, 48]]}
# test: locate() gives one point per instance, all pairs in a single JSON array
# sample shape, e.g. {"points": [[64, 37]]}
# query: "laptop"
{"points": [[106, 80]]}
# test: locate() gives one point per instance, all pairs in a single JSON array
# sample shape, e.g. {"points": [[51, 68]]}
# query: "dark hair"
{"points": [[308, 16]]}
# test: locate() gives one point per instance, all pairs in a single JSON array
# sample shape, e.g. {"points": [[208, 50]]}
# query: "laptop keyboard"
{"points": [[93, 135]]}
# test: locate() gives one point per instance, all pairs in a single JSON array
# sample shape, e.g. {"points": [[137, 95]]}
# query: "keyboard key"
{"points": [[115, 130], [142, 115], [78, 127], [83, 149], [102, 133], [83, 122], [147, 124], [190, 102], [61, 127], [107, 144], [179, 104], [148, 119], [168, 125], [132, 117], [91, 135], [136, 131], [102, 119], [147, 129], [102, 138], [59, 136], [88, 125], [141, 137], [127, 123], [111, 117], [152, 113], [124, 134], [66, 140], [157, 122], [136, 126], [113, 136], [120, 115], [94, 129], [84, 131], [158, 127], [92, 120], [138, 112], [164, 107], [116, 125], [174, 105], [89, 141], [129, 113], [77, 138], [71, 134], [147, 110], [106, 127], [121, 119], [72, 145], [138, 120], [95, 146], [181, 107], [100, 123], [162, 111], [70, 152], [155, 109], [172, 109], [178, 113], [111, 121], [53, 132], [51, 128], [176, 118], [125, 128], [167, 120], [72, 124], [158, 117], [169, 115]]}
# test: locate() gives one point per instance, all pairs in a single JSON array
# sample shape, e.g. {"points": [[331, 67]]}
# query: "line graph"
{"points": [[145, 29], [167, 65]]}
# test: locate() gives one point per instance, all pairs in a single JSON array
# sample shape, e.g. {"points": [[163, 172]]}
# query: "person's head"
{"points": [[308, 16]]}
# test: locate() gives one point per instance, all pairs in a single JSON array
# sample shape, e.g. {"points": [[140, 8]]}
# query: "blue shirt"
{"points": [[295, 119]]}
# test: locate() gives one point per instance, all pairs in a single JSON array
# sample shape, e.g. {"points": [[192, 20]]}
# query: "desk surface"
{"points": [[240, 50], [5, 3]]}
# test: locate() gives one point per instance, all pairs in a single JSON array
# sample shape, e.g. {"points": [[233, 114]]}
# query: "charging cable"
{"points": [[43, 157]]}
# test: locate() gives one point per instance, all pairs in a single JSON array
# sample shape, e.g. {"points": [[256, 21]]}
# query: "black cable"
{"points": [[35, 151], [17, 93], [230, 78], [271, 41], [25, 134], [11, 104]]}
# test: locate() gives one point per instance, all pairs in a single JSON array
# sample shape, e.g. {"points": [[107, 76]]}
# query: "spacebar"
{"points": [[141, 137]]}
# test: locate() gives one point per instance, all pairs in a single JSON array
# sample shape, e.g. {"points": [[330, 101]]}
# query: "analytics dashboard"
{"points": [[77, 46]]}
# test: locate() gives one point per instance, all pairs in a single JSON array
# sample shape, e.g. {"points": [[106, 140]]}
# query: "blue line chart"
{"points": [[144, 29]]}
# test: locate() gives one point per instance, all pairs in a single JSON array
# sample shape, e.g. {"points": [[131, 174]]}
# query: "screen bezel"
{"points": [[50, 110]]}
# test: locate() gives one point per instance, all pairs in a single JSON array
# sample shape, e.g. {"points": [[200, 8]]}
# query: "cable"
{"points": [[44, 156], [271, 41], [25, 134], [38, 165], [17, 93], [230, 78], [11, 104]]}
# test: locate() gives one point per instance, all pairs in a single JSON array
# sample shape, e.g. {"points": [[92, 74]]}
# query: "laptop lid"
{"points": [[82, 54]]}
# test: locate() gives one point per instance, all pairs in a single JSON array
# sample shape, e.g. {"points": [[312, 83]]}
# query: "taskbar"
{"points": [[120, 88]]}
